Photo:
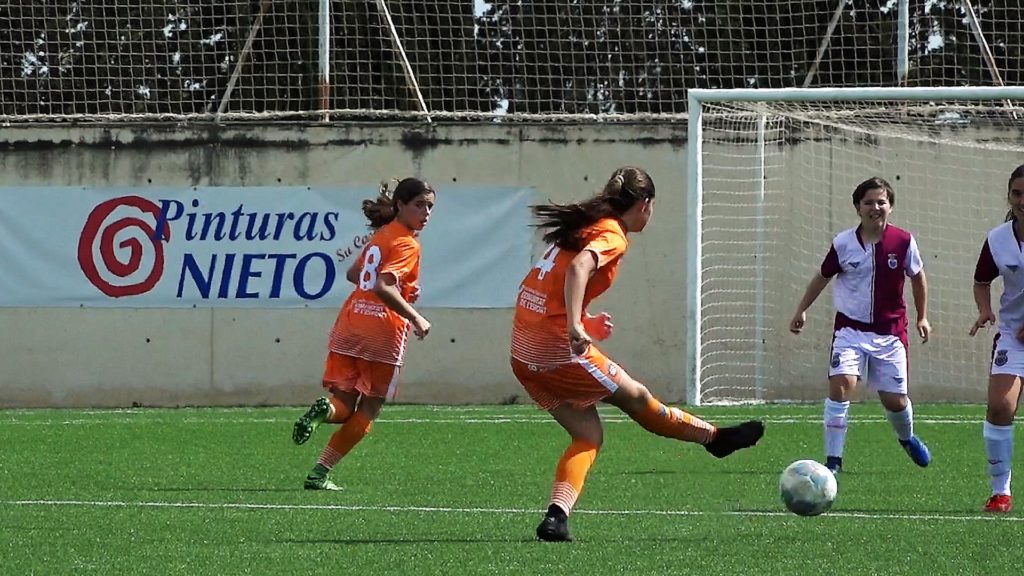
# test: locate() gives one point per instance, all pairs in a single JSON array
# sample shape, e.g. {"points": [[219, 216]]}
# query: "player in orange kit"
{"points": [[368, 342], [553, 355]]}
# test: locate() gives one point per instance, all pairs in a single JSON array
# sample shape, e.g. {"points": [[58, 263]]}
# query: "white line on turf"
{"points": [[540, 419], [453, 510], [545, 420]]}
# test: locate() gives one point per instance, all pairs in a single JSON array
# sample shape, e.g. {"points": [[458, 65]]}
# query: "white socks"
{"points": [[835, 427], [999, 447], [902, 422]]}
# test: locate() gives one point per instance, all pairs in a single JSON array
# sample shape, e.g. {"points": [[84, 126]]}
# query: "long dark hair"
{"points": [[627, 186], [383, 209], [1018, 172]]}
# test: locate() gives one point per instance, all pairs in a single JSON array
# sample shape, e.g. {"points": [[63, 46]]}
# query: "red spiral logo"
{"points": [[97, 225]]}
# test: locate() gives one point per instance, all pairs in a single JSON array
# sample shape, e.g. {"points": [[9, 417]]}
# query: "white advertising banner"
{"points": [[245, 247]]}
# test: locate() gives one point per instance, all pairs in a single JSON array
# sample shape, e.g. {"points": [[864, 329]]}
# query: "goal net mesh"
{"points": [[777, 186]]}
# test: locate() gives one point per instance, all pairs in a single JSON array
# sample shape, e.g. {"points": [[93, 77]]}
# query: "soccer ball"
{"points": [[807, 488]]}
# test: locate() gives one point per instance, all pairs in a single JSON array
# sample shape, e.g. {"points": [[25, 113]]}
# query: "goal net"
{"points": [[771, 184]]}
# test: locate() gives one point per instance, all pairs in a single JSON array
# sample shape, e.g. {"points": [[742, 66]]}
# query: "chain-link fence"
{"points": [[610, 59]]}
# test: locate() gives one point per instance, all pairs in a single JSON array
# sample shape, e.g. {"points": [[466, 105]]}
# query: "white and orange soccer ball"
{"points": [[807, 488]]}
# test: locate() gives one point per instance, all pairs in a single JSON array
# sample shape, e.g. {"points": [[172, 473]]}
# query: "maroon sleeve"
{"points": [[830, 265], [985, 270]]}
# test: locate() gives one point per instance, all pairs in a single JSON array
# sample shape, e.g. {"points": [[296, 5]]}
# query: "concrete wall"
{"points": [[83, 357], [117, 357]]}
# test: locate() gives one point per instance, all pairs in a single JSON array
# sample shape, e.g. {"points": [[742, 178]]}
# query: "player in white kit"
{"points": [[870, 263], [1001, 256]]}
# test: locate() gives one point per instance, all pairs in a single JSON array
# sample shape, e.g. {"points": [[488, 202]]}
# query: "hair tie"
{"points": [[387, 190]]}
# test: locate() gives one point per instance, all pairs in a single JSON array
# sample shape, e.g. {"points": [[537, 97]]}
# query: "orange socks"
{"points": [[344, 439], [571, 473], [674, 423]]}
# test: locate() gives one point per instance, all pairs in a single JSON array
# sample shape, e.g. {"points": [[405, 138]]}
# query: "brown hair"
{"points": [[870, 184], [383, 209], [1018, 172], [627, 186]]}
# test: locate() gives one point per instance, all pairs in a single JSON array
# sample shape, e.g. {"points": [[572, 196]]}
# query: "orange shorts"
{"points": [[348, 373], [580, 384]]}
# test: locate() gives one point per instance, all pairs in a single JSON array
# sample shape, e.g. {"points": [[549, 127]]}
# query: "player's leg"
{"points": [[845, 367], [586, 434], [374, 383], [836, 418], [1003, 396], [638, 403], [899, 410], [887, 374], [332, 409], [343, 441]]}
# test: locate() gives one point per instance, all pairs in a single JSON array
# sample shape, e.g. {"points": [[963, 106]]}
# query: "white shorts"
{"points": [[884, 355], [1008, 356]]}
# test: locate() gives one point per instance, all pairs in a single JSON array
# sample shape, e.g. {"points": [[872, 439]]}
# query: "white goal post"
{"points": [[770, 173]]}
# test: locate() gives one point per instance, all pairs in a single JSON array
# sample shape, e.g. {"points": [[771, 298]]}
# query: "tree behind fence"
{"points": [[187, 59]]}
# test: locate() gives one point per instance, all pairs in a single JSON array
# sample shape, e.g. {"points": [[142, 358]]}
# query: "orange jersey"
{"points": [[366, 328], [539, 333]]}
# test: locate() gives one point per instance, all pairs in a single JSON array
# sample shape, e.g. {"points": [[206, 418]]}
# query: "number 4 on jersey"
{"points": [[547, 261]]}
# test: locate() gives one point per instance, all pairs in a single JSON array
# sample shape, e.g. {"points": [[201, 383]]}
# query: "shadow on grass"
{"points": [[696, 472], [209, 489], [594, 539], [648, 472], [881, 514], [399, 541]]}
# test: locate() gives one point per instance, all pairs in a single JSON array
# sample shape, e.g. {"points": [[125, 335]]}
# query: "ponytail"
{"points": [[627, 186], [383, 209]]}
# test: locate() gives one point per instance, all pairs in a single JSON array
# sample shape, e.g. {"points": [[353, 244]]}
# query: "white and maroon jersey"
{"points": [[868, 292], [1001, 256]]}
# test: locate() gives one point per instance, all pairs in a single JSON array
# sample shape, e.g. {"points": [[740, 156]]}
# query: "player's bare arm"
{"points": [[352, 274], [387, 289], [983, 300], [919, 286], [577, 275], [814, 288]]}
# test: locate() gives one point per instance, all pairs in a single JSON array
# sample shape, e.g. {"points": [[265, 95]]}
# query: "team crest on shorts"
{"points": [[612, 369], [1000, 359], [892, 262], [835, 360]]}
